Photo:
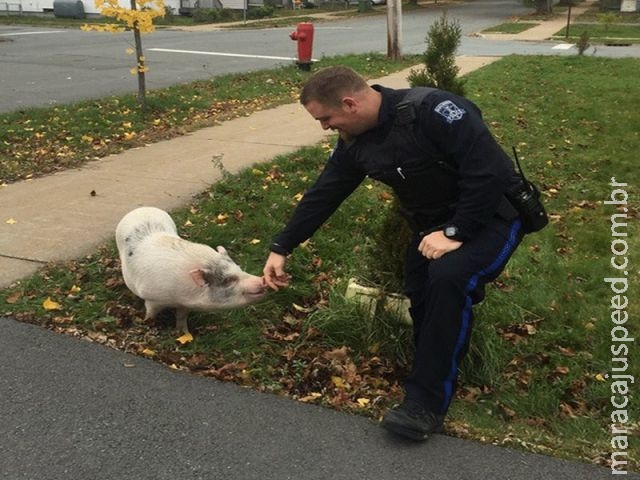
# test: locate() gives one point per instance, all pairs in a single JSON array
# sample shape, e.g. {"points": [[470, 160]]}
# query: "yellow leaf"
{"points": [[11, 221], [338, 382], [255, 241], [130, 51], [148, 352], [184, 339], [297, 197], [363, 402], [49, 304], [311, 397], [599, 377], [75, 289]]}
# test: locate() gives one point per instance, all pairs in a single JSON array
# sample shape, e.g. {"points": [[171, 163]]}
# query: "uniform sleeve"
{"points": [[456, 127], [336, 182]]}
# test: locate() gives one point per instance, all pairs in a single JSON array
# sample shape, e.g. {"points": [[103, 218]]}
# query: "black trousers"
{"points": [[442, 293]]}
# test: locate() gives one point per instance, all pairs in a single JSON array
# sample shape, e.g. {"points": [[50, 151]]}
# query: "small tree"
{"points": [[139, 18], [583, 43], [440, 71]]}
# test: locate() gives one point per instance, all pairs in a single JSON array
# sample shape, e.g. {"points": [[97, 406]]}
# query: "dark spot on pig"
{"points": [[217, 276]]}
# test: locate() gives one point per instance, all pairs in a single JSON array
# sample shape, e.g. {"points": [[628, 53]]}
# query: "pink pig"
{"points": [[167, 271]]}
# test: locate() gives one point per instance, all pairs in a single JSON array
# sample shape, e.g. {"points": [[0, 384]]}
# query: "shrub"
{"points": [[440, 71], [583, 43]]}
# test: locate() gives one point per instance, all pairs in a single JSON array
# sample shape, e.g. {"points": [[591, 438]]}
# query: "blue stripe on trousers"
{"points": [[502, 257]]}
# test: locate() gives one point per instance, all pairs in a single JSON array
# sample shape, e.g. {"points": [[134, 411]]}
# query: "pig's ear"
{"points": [[198, 277], [222, 251]]}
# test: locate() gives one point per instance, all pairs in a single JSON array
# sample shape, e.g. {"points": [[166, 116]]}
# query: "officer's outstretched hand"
{"points": [[274, 275], [435, 245]]}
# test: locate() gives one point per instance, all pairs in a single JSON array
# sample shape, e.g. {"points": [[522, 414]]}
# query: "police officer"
{"points": [[449, 174]]}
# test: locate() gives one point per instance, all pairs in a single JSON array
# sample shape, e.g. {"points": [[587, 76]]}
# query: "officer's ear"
{"points": [[349, 104]]}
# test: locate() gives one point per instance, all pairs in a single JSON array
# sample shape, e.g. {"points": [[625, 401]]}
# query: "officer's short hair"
{"points": [[329, 85]]}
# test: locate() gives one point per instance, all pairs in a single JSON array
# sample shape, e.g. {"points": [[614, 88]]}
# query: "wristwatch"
{"points": [[452, 232]]}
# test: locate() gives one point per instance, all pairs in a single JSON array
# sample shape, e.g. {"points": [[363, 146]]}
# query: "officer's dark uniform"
{"points": [[447, 171]]}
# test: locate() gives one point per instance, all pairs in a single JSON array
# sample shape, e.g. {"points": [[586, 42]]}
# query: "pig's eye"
{"points": [[228, 281]]}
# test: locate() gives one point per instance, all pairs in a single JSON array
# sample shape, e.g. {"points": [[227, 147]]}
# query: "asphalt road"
{"points": [[72, 410], [43, 67]]}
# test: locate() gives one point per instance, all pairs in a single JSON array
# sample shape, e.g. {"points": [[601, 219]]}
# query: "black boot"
{"points": [[411, 420]]}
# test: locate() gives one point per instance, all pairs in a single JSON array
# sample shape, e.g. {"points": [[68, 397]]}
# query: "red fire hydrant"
{"points": [[304, 36]]}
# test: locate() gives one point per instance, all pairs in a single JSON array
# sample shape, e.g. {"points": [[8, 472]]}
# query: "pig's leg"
{"points": [[181, 319], [152, 310]]}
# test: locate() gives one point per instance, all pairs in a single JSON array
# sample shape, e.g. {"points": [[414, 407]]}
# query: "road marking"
{"points": [[562, 46], [221, 54], [31, 33]]}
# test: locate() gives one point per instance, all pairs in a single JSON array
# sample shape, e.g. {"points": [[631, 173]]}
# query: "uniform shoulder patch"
{"points": [[450, 111]]}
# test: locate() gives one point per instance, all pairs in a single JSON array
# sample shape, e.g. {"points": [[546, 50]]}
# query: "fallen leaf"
{"points": [[13, 298], [49, 304], [338, 382], [302, 309], [147, 352], [338, 354], [184, 339], [363, 402], [311, 397], [11, 221]]}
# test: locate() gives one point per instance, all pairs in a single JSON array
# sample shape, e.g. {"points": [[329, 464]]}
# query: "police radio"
{"points": [[525, 198]]}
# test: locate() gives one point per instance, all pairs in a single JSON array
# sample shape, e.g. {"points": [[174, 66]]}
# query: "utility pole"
{"points": [[394, 29]]}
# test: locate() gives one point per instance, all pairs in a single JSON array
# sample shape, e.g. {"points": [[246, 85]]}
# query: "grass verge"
{"points": [[602, 33], [535, 377], [44, 140]]}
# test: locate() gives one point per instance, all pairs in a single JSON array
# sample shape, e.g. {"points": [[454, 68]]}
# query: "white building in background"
{"points": [[88, 6]]}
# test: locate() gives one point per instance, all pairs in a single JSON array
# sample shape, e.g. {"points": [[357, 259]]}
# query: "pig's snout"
{"points": [[258, 288]]}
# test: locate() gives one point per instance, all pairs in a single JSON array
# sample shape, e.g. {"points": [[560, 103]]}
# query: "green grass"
{"points": [[603, 33], [511, 27], [534, 378], [622, 26]]}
